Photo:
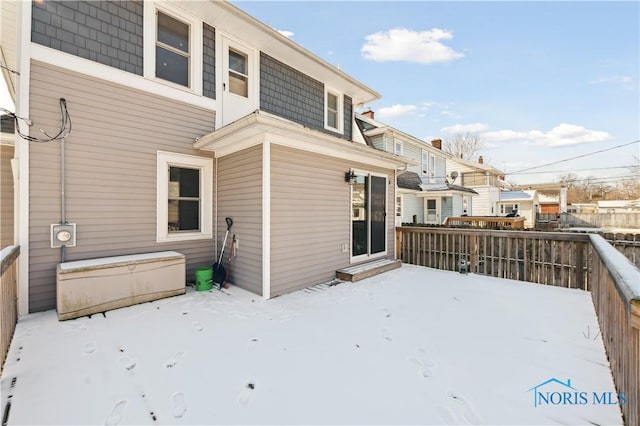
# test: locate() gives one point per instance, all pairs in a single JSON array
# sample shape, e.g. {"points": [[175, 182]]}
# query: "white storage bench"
{"points": [[91, 286]]}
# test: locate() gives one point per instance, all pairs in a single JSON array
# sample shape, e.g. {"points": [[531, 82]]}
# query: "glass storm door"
{"points": [[368, 215], [431, 214]]}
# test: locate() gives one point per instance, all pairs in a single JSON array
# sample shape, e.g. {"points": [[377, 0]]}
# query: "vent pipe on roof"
{"points": [[480, 160]]}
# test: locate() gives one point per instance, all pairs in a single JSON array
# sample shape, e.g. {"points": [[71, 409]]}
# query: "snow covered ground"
{"points": [[411, 346]]}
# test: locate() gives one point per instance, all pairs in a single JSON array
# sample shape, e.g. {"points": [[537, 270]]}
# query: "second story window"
{"points": [[172, 50], [397, 147], [333, 112], [238, 73]]}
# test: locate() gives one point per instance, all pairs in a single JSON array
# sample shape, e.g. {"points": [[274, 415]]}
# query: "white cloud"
{"points": [[567, 134], [400, 44], [623, 80], [561, 135], [286, 33], [464, 128], [396, 111]]}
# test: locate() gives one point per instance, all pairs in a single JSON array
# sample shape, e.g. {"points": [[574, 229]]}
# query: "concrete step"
{"points": [[367, 270]]}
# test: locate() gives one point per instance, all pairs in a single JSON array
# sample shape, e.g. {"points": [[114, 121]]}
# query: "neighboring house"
{"points": [[523, 203], [549, 204], [619, 206], [425, 190], [185, 113], [486, 180], [7, 130]]}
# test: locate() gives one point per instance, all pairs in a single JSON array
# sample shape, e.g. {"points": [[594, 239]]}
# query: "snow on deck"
{"points": [[411, 346]]}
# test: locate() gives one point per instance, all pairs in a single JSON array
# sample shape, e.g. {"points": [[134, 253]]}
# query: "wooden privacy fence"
{"points": [[583, 261], [8, 298]]}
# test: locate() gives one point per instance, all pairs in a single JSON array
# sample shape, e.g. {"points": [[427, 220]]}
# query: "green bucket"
{"points": [[204, 278]]}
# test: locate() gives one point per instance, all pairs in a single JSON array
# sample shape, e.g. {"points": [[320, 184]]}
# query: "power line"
{"points": [[576, 157], [572, 170]]}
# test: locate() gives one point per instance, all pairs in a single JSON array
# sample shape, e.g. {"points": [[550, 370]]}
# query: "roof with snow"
{"points": [[515, 196]]}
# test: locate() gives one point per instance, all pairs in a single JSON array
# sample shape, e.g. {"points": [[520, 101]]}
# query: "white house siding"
{"points": [[487, 197], [110, 171], [412, 205], [311, 217], [414, 152], [6, 196], [239, 196], [457, 205]]}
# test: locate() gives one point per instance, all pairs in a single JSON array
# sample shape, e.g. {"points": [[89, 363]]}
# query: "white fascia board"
{"points": [[231, 138]]}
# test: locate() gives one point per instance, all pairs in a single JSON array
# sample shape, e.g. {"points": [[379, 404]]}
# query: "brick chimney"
{"points": [[368, 113], [437, 143], [481, 160]]}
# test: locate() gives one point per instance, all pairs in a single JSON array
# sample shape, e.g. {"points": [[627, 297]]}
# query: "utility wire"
{"points": [[572, 170], [574, 158], [65, 121]]}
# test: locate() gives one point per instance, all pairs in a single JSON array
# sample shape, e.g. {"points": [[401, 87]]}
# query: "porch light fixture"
{"points": [[350, 177]]}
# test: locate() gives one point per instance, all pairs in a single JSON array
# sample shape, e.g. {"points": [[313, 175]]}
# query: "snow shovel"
{"points": [[218, 270], [232, 253]]}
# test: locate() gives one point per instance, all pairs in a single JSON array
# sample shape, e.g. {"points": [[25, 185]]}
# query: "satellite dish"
{"points": [[454, 175]]}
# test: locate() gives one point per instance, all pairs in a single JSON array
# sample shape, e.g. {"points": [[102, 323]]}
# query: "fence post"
{"points": [[398, 244]]}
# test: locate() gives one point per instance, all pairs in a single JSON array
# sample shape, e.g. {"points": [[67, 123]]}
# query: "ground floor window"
{"points": [[184, 197], [508, 208]]}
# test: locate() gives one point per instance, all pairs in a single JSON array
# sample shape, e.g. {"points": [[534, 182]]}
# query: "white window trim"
{"points": [[399, 142], [358, 258], [422, 163], [195, 45], [340, 118], [432, 168], [205, 165]]}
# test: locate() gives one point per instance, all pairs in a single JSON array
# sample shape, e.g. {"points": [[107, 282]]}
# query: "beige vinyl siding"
{"points": [[311, 217], [111, 158], [239, 193], [6, 196]]}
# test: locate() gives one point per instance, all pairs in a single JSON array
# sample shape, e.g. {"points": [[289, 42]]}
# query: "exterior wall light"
{"points": [[350, 177]]}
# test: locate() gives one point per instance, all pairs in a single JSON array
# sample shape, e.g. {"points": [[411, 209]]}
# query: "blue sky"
{"points": [[538, 81]]}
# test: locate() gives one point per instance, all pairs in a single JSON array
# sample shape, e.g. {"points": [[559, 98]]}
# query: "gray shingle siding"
{"points": [[291, 94], [108, 32], [209, 61]]}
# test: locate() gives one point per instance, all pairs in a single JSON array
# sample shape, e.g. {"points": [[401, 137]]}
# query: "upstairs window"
{"points": [[397, 147], [173, 55], [333, 112], [238, 73]]}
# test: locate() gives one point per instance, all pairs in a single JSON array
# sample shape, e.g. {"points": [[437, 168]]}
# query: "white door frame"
{"points": [[235, 106], [437, 220]]}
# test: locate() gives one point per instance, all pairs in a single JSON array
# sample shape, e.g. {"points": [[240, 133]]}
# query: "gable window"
{"points": [[397, 147], [333, 112], [172, 50], [184, 197], [238, 73]]}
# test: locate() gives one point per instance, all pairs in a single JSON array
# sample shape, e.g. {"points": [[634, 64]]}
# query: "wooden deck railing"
{"points": [[8, 298], [486, 222], [583, 261]]}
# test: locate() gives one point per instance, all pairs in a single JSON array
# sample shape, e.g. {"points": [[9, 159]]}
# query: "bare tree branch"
{"points": [[463, 145]]}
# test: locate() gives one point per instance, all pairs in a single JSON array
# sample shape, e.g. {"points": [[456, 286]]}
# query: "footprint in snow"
{"points": [[89, 348], [422, 369], [465, 409], [116, 413], [197, 326], [173, 361], [385, 334], [386, 313], [245, 394], [179, 405], [252, 343], [128, 363], [448, 416]]}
